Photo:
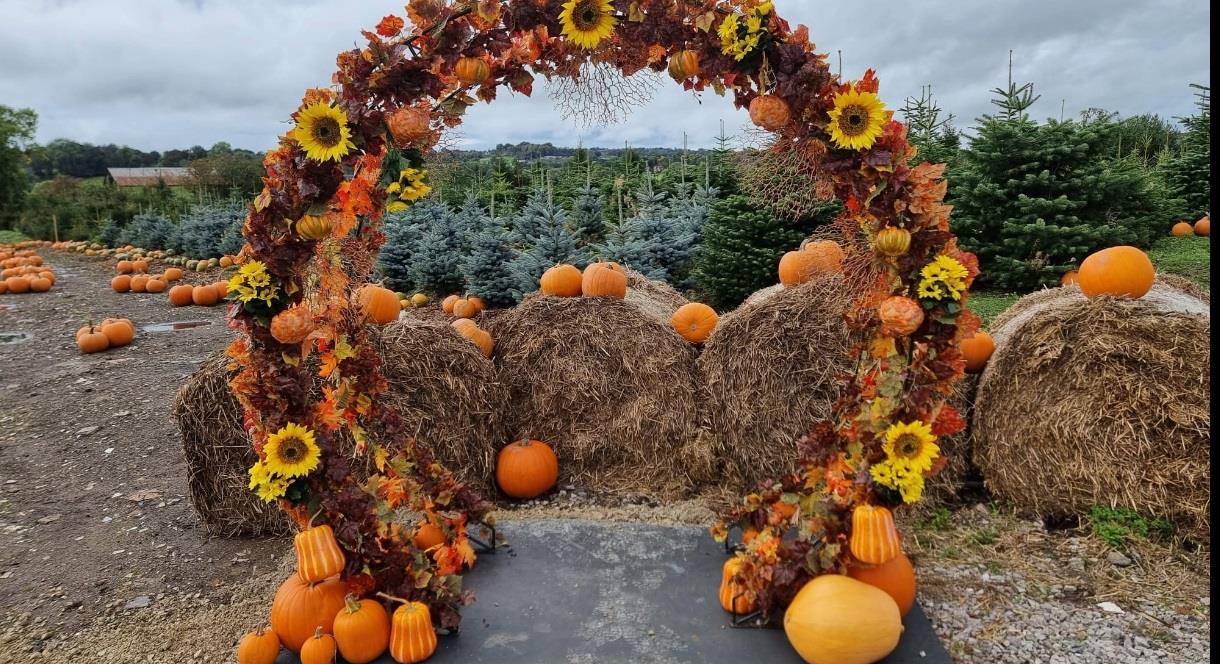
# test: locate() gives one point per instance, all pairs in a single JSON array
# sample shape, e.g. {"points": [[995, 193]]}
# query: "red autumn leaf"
{"points": [[390, 26]]}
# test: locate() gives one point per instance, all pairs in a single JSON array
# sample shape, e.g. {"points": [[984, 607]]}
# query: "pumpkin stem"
{"points": [[352, 605], [312, 517], [317, 632], [393, 598]]}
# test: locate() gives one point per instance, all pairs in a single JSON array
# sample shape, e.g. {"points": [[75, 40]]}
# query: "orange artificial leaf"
{"points": [[390, 26]]}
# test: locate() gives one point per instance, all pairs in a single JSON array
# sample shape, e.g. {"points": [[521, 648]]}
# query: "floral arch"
{"points": [[309, 376]]}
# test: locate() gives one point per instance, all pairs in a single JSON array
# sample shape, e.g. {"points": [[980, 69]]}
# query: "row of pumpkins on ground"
{"points": [[22, 271], [1202, 227], [129, 252]]}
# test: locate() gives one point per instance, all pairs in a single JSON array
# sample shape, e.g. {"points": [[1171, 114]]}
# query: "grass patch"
{"points": [[938, 520], [989, 304], [984, 536], [7, 237], [1189, 256], [1117, 527]]}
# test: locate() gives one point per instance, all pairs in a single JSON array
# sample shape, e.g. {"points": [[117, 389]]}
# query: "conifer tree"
{"points": [[1187, 174], [588, 213], [932, 135], [542, 234], [436, 265], [402, 235], [489, 266]]}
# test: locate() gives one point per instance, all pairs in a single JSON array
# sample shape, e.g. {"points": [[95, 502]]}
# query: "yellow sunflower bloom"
{"points": [[857, 120], [292, 451], [911, 447], [912, 489], [943, 277], [587, 22], [323, 133]]}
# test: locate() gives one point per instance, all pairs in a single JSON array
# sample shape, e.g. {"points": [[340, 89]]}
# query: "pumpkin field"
{"points": [[850, 385]]}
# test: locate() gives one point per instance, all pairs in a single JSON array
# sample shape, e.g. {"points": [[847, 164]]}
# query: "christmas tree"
{"points": [[935, 138], [541, 232], [489, 266], [1187, 174], [403, 231], [436, 265], [588, 215]]}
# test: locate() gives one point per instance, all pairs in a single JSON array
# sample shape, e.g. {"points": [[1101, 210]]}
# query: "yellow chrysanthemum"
{"points": [[258, 474], [251, 282], [912, 489], [396, 206], [943, 277], [910, 446], [323, 133], [587, 22], [410, 186], [272, 489], [292, 451], [857, 120]]}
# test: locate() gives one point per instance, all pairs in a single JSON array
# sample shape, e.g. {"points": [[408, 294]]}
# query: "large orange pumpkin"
{"points": [[694, 321], [124, 267], [874, 539], [139, 283], [427, 535], [301, 607], [292, 325], [977, 350], [1182, 228], [828, 255], [118, 332], [478, 336], [472, 71], [180, 296], [412, 637], [604, 280], [835, 619], [3, 286], [448, 302], [900, 315], [173, 274], [258, 647], [140, 266], [1203, 226], [362, 630], [561, 281], [796, 267], [17, 285], [1121, 271], [408, 125], [732, 593], [464, 308], [770, 112], [526, 469], [896, 578], [318, 554], [39, 284], [154, 286], [92, 341], [204, 296], [378, 304], [684, 64]]}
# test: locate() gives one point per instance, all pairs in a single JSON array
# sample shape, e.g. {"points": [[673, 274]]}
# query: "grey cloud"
{"points": [[158, 74]]}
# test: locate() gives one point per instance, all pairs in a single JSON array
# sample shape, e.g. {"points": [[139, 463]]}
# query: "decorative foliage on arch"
{"points": [[331, 450]]}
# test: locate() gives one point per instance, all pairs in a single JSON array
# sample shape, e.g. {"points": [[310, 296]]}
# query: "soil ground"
{"points": [[101, 558]]}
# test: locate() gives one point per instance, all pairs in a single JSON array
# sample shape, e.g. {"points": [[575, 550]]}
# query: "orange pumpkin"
{"points": [[292, 325], [300, 607], [1120, 271], [796, 267], [526, 469], [684, 64], [319, 649], [140, 266], [1203, 226], [835, 619], [874, 539], [378, 304], [408, 125], [694, 321], [221, 288], [1182, 228], [204, 296], [447, 303], [173, 274], [561, 281], [226, 261], [318, 554], [92, 341], [17, 285], [604, 280], [313, 226], [733, 597], [258, 647], [362, 630], [896, 578], [828, 255], [900, 315], [472, 71], [427, 535], [478, 336], [464, 308], [977, 350], [3, 286], [40, 284], [463, 323], [139, 283], [118, 332], [124, 267], [180, 296], [893, 241], [770, 112], [154, 286], [412, 637], [477, 302], [1069, 277]]}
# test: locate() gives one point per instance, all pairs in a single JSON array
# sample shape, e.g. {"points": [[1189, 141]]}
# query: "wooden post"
{"points": [[55, 226]]}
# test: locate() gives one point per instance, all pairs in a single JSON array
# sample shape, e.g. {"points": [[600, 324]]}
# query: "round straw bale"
{"points": [[1100, 402], [773, 367], [441, 384], [610, 387], [657, 299]]}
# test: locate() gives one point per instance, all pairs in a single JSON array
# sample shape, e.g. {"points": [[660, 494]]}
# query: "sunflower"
{"points": [[943, 277], [587, 22], [857, 120], [323, 133], [911, 447], [291, 451]]}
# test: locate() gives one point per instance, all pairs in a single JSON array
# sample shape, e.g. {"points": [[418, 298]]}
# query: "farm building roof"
{"points": [[138, 177]]}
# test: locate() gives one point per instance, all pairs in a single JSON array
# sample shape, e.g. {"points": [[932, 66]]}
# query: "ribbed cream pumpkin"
{"points": [[835, 619], [318, 554], [412, 637]]}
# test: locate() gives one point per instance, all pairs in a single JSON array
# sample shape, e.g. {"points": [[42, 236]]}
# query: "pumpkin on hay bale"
{"points": [[1101, 401], [442, 386], [609, 385]]}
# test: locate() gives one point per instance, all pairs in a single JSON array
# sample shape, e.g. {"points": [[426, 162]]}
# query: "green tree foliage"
{"points": [[403, 231], [742, 246], [17, 127], [489, 266], [934, 136], [542, 233], [1187, 174], [1033, 200], [589, 214], [149, 230], [209, 231], [436, 264], [654, 243]]}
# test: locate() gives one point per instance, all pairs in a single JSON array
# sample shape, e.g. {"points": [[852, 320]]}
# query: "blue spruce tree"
{"points": [[541, 230], [436, 265], [402, 235], [489, 266]]}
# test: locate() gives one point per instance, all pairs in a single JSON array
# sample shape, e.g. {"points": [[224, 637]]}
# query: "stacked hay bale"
{"points": [[609, 385], [1101, 402], [443, 387]]}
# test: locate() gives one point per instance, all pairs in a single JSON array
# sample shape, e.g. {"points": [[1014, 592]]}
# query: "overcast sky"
{"points": [[159, 74]]}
